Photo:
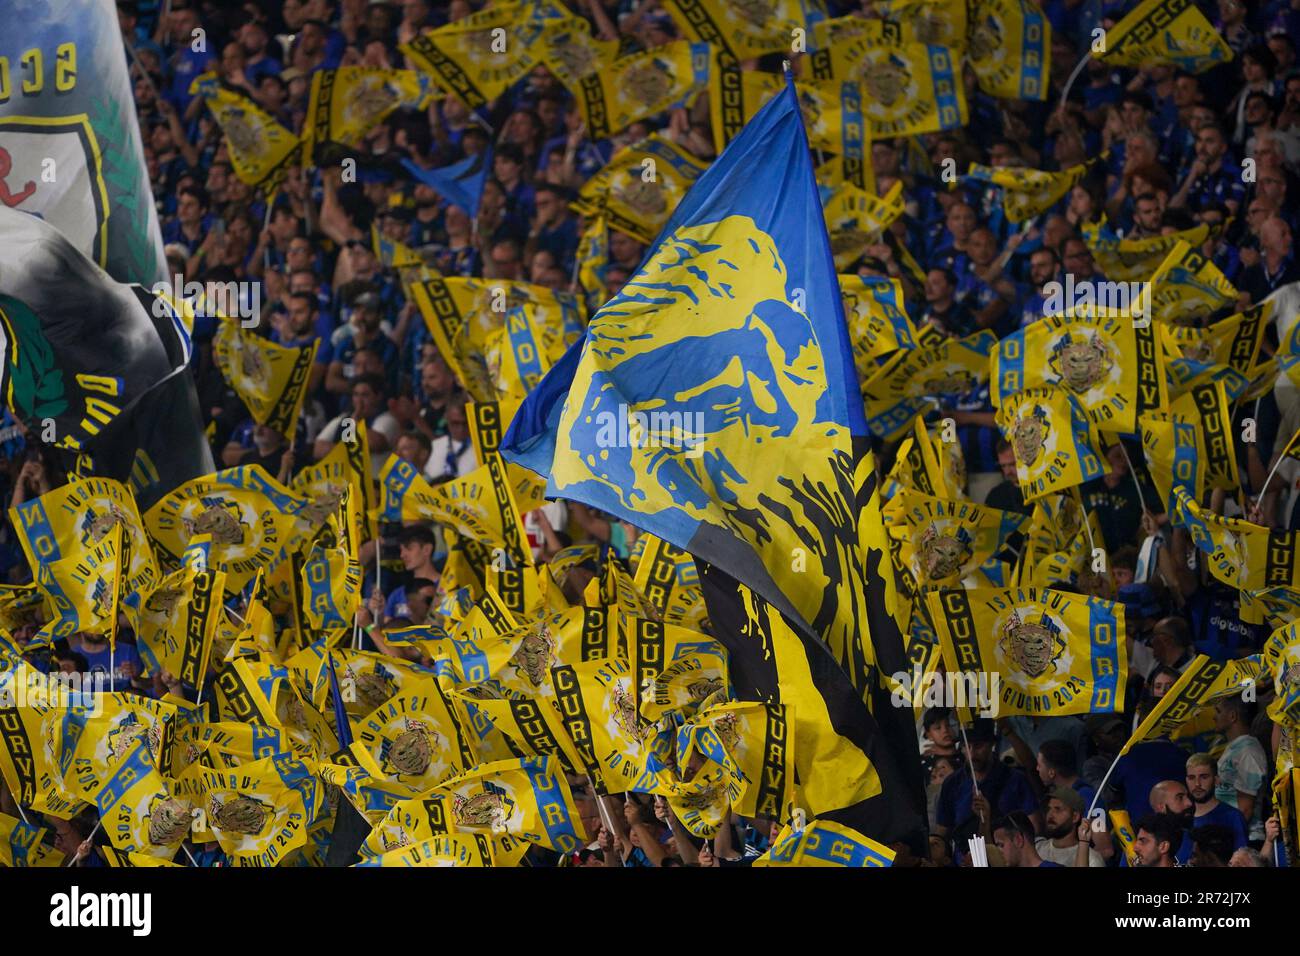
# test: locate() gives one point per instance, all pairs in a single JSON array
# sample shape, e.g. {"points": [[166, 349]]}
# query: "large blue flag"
{"points": [[713, 403], [460, 183]]}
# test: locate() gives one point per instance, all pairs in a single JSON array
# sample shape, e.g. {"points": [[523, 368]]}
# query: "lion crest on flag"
{"points": [[411, 751], [243, 814], [168, 819], [941, 554], [1081, 362], [984, 38], [644, 198], [1032, 646], [96, 525], [886, 80], [647, 82], [535, 655], [1029, 433], [488, 808], [219, 518]]}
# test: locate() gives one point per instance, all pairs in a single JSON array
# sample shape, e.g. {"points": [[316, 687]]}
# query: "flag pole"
{"points": [[1074, 75], [98, 823], [1133, 472]]}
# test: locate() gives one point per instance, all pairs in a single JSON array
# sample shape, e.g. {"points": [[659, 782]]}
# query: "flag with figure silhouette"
{"points": [[714, 403]]}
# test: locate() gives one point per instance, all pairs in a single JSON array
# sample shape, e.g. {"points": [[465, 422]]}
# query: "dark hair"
{"points": [[417, 583], [1214, 838], [1137, 98], [1017, 821], [374, 380], [1060, 756], [198, 192], [417, 534], [1164, 827], [1126, 557], [936, 715], [306, 297], [1242, 710]]}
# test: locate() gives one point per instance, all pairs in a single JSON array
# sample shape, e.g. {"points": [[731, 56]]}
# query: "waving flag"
{"points": [[824, 843], [346, 103], [1009, 45], [729, 350], [461, 183], [270, 379], [1173, 32], [70, 111], [261, 150]]}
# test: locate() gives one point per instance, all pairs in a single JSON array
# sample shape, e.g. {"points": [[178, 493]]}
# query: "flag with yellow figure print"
{"points": [[527, 798], [411, 824], [570, 51], [447, 849], [22, 844], [346, 103], [640, 186], [744, 29], [946, 540], [1171, 32], [1053, 441], [271, 380], [639, 85], [1054, 653], [1108, 365], [140, 809], [261, 150], [952, 367], [31, 738], [1281, 657], [250, 516], [667, 577], [825, 843], [82, 589], [95, 739], [652, 646]]}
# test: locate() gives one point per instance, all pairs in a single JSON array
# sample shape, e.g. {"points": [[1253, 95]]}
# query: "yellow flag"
{"points": [[640, 85], [742, 30], [1134, 260], [82, 589], [877, 323], [570, 51], [1109, 366], [250, 516], [1027, 193], [1206, 408], [1281, 657], [178, 621], [825, 843], [755, 744], [346, 103], [1009, 45], [952, 367], [1045, 652], [906, 88], [529, 799], [1187, 283], [1053, 441], [31, 739], [444, 850], [270, 379], [944, 541], [1122, 827], [22, 844], [479, 57], [412, 740], [856, 219], [640, 187], [347, 466], [1173, 32], [1234, 341], [1203, 682], [261, 150], [256, 817], [668, 578], [140, 809]]}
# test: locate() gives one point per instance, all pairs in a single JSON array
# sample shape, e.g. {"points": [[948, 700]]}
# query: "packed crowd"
{"points": [[1175, 145]]}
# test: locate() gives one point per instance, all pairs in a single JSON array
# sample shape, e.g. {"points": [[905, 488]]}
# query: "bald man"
{"points": [[1170, 797]]}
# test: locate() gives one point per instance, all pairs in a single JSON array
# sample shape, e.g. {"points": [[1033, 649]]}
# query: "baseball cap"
{"points": [[1068, 796]]}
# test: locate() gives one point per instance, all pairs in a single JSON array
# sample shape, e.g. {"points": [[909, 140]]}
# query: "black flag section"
{"points": [[774, 658]]}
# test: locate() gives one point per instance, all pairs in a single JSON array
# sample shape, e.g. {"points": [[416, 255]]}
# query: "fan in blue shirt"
{"points": [[1202, 779]]}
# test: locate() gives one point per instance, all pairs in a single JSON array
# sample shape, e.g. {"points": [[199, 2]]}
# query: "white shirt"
{"points": [[384, 423], [449, 459]]}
